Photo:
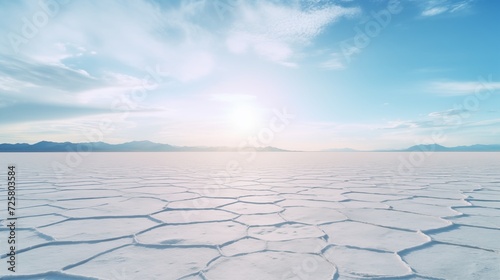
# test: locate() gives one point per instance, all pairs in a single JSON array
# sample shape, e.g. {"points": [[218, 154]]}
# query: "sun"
{"points": [[244, 118]]}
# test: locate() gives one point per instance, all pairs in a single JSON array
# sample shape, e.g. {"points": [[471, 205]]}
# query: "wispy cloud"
{"points": [[451, 118], [275, 31], [434, 11], [408, 124], [335, 62], [449, 113], [26, 112], [452, 88], [432, 120], [27, 72], [490, 122], [437, 7], [124, 36]]}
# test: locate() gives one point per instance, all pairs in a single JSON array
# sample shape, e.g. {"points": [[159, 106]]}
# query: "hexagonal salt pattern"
{"points": [[374, 237], [194, 234], [449, 261], [136, 262], [284, 232], [271, 265], [96, 229], [367, 263], [285, 216]]}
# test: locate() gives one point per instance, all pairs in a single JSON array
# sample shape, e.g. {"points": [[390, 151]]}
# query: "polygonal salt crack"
{"points": [[271, 265], [211, 234]]}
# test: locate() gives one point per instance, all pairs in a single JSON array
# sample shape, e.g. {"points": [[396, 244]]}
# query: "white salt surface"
{"points": [[284, 216]]}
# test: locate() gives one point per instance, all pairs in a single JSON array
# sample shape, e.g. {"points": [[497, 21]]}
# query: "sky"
{"points": [[300, 75]]}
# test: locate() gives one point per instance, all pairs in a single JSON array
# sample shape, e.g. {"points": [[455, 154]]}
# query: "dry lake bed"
{"points": [[253, 216]]}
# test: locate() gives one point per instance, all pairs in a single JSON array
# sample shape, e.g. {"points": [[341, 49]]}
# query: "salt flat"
{"points": [[282, 216]]}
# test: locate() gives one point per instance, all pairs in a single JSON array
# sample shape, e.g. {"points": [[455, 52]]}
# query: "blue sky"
{"points": [[360, 74]]}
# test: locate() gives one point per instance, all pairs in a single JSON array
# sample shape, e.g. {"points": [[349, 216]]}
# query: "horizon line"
{"points": [[203, 148]]}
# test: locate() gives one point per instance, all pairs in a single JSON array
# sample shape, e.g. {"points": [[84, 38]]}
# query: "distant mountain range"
{"points": [[148, 146], [432, 148], [135, 146], [439, 148]]}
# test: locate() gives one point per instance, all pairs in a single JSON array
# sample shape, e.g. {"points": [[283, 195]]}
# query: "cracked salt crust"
{"points": [[311, 216]]}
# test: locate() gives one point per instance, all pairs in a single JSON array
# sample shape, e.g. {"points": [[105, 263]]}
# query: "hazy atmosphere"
{"points": [[302, 75]]}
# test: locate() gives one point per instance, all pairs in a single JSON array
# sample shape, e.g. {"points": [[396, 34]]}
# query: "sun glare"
{"points": [[244, 119]]}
